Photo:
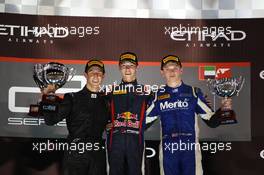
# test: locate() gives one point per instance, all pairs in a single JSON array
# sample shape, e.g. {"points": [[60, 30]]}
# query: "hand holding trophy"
{"points": [[226, 88], [49, 77]]}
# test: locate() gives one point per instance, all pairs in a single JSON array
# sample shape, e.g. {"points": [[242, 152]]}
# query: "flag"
{"points": [[207, 72]]}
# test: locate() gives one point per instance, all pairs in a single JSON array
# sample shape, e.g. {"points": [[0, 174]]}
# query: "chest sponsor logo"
{"points": [[127, 119], [179, 104], [162, 97], [175, 90], [93, 95], [127, 116], [128, 123], [120, 92]]}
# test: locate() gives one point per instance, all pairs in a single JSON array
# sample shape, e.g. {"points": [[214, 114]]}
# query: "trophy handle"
{"points": [[38, 68], [211, 87], [72, 72], [240, 84], [38, 75]]}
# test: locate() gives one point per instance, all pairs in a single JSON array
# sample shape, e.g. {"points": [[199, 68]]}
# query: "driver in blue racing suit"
{"points": [[178, 106]]}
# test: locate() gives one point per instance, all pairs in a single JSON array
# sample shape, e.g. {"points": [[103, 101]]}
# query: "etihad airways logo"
{"points": [[174, 105], [261, 74], [204, 36], [44, 34]]}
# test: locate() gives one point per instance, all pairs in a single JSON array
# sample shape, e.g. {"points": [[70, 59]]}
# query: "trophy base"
{"points": [[228, 117], [227, 122], [48, 104]]}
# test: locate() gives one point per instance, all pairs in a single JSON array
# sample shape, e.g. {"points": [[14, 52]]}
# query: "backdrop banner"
{"points": [[213, 49]]}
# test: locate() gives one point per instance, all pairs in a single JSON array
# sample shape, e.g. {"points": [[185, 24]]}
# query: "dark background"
{"points": [[113, 39]]}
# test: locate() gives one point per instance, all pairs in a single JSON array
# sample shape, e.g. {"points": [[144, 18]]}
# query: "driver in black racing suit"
{"points": [[86, 114]]}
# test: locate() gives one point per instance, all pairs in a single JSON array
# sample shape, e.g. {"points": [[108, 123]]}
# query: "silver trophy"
{"points": [[226, 88], [52, 73]]}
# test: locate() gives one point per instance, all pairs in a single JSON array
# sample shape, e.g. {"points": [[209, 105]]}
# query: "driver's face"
{"points": [[172, 72], [94, 76], [128, 70]]}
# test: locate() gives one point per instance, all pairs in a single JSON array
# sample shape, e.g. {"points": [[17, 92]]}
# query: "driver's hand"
{"points": [[109, 126], [208, 101], [226, 104]]}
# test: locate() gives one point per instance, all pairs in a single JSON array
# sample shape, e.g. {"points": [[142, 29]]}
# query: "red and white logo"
{"points": [[223, 72]]}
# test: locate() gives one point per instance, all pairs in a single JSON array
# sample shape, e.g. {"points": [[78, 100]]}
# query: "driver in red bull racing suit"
{"points": [[128, 105]]}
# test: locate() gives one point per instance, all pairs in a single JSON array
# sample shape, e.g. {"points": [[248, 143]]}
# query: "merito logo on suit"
{"points": [[174, 105]]}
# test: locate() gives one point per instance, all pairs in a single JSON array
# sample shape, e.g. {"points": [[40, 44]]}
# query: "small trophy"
{"points": [[52, 73], [226, 88]]}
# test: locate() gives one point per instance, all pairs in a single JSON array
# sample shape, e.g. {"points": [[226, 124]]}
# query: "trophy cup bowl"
{"points": [[226, 88], [52, 73]]}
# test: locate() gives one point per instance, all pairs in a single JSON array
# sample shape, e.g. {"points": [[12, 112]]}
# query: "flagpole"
{"points": [[214, 102]]}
